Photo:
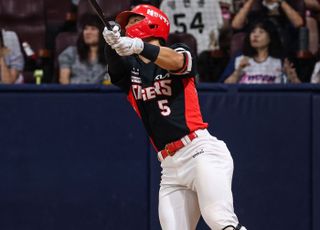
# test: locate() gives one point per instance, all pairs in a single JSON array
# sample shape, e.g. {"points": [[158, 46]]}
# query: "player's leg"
{"points": [[214, 169], [178, 208]]}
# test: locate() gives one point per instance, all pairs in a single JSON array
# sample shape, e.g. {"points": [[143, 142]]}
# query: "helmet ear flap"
{"points": [[153, 26]]}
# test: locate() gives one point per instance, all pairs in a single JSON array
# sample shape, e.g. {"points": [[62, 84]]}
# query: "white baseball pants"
{"points": [[197, 180]]}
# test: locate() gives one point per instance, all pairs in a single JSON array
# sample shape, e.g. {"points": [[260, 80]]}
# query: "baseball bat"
{"points": [[95, 6]]}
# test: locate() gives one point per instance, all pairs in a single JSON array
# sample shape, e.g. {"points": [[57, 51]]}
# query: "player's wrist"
{"points": [[150, 51], [137, 45]]}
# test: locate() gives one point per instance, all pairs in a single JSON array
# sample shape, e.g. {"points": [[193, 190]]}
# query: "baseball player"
{"points": [[160, 84]]}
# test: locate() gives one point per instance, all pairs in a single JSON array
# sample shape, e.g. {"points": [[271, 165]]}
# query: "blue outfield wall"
{"points": [[77, 157]]}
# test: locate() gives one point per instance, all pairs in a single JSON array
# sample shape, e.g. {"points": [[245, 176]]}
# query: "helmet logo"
{"points": [[156, 14]]}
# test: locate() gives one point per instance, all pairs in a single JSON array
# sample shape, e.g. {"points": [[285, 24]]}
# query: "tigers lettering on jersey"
{"points": [[159, 88], [164, 100]]}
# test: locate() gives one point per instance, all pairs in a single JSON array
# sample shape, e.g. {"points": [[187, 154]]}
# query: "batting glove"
{"points": [[111, 36], [127, 46]]}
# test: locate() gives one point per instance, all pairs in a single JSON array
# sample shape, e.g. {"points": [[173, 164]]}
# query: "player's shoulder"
{"points": [[187, 68], [181, 47]]}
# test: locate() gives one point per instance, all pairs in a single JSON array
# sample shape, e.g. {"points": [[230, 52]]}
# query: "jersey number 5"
{"points": [[163, 106]]}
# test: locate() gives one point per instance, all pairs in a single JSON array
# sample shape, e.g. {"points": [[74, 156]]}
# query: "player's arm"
{"points": [[176, 60], [116, 64], [164, 57], [118, 69], [169, 59]]}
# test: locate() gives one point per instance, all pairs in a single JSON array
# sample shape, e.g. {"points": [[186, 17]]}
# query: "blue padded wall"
{"points": [[77, 157], [71, 160]]}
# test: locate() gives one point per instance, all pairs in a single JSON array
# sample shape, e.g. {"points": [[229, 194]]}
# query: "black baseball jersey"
{"points": [[166, 102]]}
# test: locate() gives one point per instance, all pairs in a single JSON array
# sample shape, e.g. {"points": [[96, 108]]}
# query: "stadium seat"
{"points": [[236, 43], [186, 38], [110, 8], [304, 67], [62, 41], [59, 12], [155, 3], [298, 5], [27, 19], [211, 65]]}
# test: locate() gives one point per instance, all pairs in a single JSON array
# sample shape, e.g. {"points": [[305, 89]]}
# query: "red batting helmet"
{"points": [[155, 22]]}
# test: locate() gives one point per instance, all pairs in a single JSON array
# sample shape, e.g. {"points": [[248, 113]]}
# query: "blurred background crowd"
{"points": [[233, 41]]}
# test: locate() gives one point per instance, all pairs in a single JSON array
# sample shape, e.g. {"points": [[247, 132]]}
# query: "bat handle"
{"points": [[112, 24]]}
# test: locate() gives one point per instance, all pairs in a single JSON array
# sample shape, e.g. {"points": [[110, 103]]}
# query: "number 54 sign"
{"points": [[181, 22]]}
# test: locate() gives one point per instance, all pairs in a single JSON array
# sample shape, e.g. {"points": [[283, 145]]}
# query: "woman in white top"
{"points": [[261, 60]]}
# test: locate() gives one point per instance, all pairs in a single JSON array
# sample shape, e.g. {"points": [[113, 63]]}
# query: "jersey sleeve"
{"points": [[118, 69], [188, 68]]}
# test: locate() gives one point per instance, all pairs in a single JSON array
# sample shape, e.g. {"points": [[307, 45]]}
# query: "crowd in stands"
{"points": [[233, 41]]}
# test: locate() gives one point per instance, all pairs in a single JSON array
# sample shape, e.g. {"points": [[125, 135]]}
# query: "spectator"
{"points": [[312, 23], [202, 19], [284, 16], [85, 62], [11, 58], [226, 10], [315, 77], [261, 59], [314, 6]]}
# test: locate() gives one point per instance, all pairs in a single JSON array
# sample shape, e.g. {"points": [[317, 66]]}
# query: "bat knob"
{"points": [[115, 27]]}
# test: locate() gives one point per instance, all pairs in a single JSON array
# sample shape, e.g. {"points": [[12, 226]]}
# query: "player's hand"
{"points": [[111, 36], [127, 46]]}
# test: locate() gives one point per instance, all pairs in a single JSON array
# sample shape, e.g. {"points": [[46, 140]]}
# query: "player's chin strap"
{"points": [[231, 227]]}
